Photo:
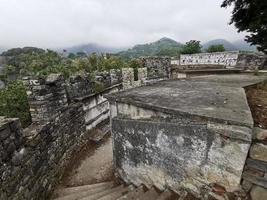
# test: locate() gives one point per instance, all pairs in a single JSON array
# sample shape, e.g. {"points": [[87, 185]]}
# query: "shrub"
{"points": [[14, 102]]}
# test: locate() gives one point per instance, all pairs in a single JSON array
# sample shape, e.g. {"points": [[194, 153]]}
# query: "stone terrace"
{"points": [[183, 134]]}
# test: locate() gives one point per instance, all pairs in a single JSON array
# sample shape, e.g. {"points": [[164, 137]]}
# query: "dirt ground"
{"points": [[92, 165], [257, 99]]}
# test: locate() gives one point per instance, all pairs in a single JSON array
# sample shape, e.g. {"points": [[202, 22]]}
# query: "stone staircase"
{"points": [[112, 191]]}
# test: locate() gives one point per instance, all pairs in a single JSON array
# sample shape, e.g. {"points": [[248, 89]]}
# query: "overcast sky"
{"points": [[118, 23]]}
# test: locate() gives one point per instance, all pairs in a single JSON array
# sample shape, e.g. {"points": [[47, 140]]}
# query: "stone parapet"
{"points": [[34, 163], [255, 172], [47, 97]]}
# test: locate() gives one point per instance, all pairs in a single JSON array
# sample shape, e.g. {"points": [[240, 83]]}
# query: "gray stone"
{"points": [[260, 134], [258, 193], [258, 151], [211, 102]]}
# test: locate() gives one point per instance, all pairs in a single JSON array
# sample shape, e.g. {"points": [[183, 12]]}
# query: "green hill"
{"points": [[162, 47]]}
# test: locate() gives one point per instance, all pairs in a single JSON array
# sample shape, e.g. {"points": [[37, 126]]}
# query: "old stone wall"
{"points": [[128, 80], [177, 152], [256, 165], [157, 67], [34, 159], [79, 86], [96, 106], [218, 58], [47, 97], [250, 61], [241, 60]]}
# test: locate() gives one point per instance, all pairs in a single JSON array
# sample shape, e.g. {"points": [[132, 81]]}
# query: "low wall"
{"points": [[241, 60], [96, 106], [255, 172], [156, 149], [250, 61], [218, 58], [33, 160], [157, 67]]}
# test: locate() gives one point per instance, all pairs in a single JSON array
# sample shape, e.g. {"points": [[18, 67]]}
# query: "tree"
{"points": [[14, 102], [250, 16], [216, 48], [193, 46]]}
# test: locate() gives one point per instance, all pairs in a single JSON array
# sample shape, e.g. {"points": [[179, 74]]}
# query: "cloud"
{"points": [[118, 23]]}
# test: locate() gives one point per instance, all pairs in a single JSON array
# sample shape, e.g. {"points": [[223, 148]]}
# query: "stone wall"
{"points": [[250, 61], [47, 97], [157, 67], [218, 58], [128, 81], [242, 60], [79, 86], [155, 148], [255, 173], [96, 106], [34, 159], [183, 135]]}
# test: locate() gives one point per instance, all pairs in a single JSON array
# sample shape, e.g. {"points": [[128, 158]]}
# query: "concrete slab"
{"points": [[233, 80], [219, 98]]}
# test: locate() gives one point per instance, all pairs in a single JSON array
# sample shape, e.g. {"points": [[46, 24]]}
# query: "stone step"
{"points": [[71, 190], [151, 194], [116, 194], [102, 194], [133, 194], [166, 195], [83, 191]]}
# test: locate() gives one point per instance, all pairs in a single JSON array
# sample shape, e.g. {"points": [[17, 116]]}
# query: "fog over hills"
{"points": [[230, 46], [91, 48]]}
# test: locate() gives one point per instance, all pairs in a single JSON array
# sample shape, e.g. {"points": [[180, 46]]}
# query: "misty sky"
{"points": [[117, 23]]}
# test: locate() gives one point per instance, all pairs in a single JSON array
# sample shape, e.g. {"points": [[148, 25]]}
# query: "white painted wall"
{"points": [[219, 58]]}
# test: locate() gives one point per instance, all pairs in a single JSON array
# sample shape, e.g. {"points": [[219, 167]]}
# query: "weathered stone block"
{"points": [[260, 134], [258, 193], [258, 151]]}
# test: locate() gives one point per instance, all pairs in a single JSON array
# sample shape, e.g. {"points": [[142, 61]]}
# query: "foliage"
{"points": [[191, 47], [25, 50], [162, 47], [250, 16], [98, 87], [14, 103], [37, 62], [216, 48]]}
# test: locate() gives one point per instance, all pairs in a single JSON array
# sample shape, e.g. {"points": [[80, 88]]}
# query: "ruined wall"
{"points": [[242, 60], [218, 58], [177, 152], [96, 106], [128, 80], [34, 159], [157, 67], [79, 86], [256, 165], [47, 97], [250, 61]]}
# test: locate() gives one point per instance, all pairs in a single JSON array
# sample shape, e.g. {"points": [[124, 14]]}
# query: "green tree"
{"points": [[216, 48], [14, 102], [250, 16], [193, 46]]}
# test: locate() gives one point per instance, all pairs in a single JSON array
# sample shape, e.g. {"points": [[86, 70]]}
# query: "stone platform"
{"points": [[183, 134]]}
